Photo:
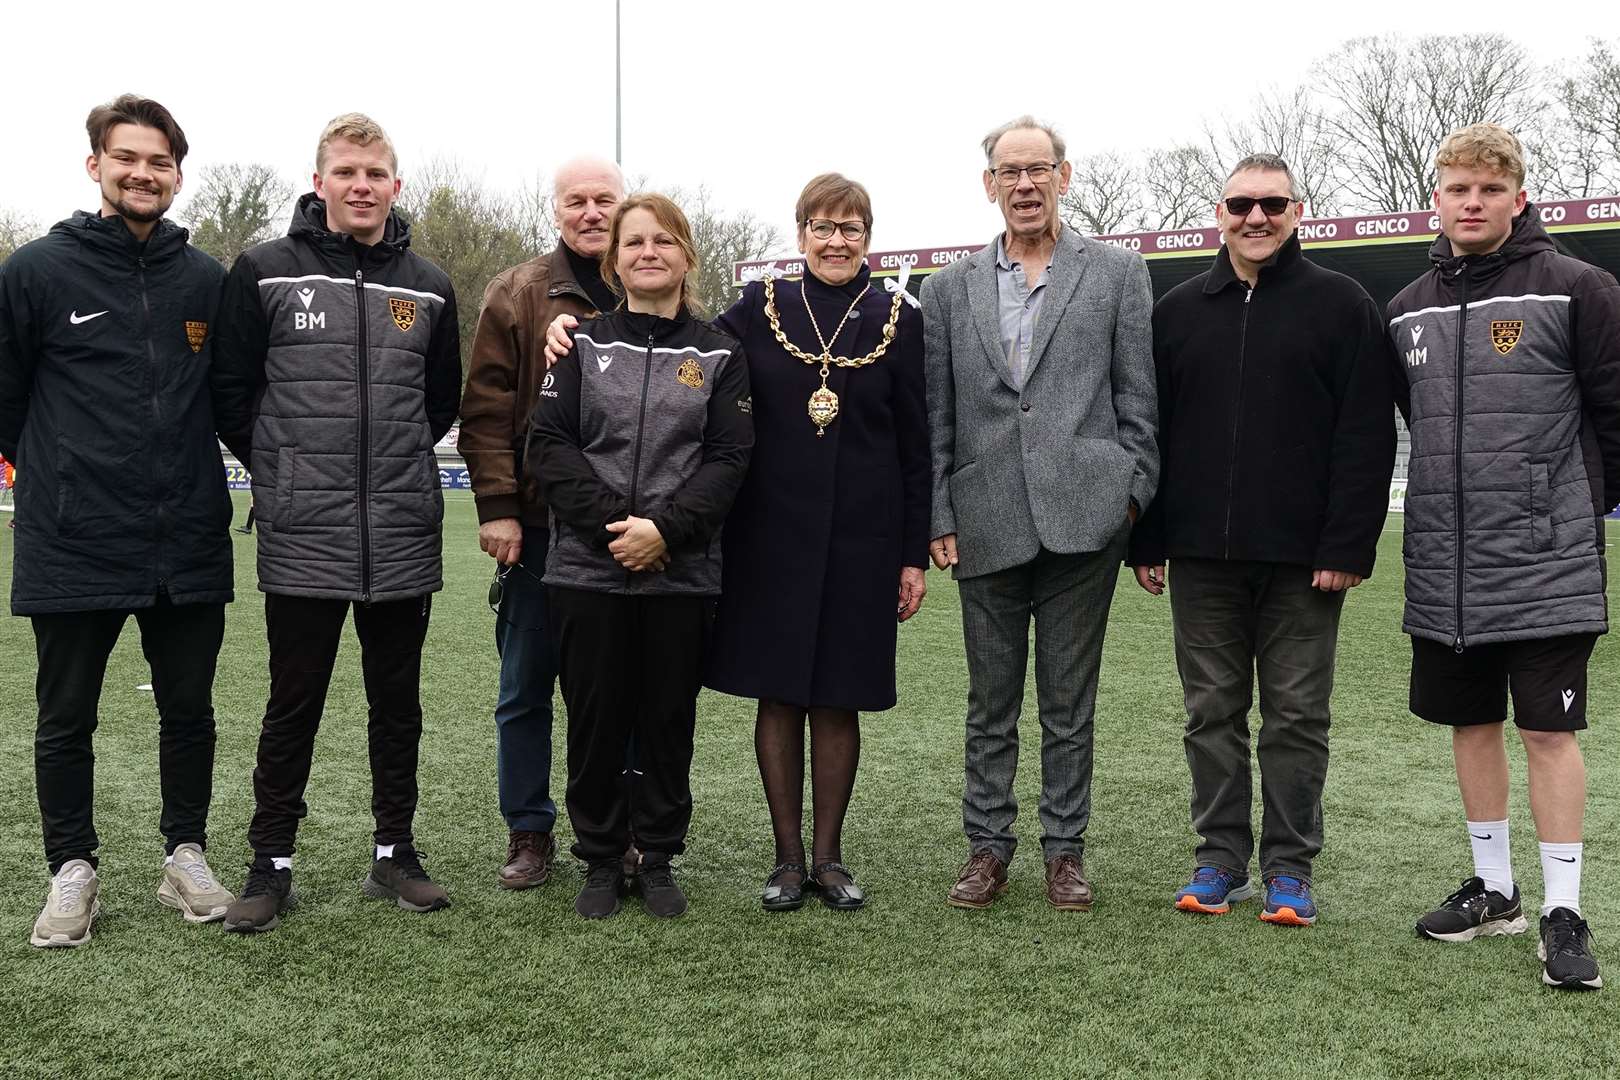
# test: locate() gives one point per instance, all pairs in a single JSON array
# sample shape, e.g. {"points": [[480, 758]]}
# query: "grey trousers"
{"points": [[1234, 620], [1068, 595]]}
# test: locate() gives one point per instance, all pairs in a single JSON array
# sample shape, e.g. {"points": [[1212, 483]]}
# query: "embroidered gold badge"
{"points": [[404, 312], [690, 373], [196, 334], [1505, 334]]}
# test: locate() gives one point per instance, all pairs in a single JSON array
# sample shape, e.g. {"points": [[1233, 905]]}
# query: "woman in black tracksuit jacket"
{"points": [[639, 443]]}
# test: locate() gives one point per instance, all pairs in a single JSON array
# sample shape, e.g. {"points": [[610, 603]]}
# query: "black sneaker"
{"points": [[1565, 952], [1474, 911], [604, 884], [267, 893], [659, 892], [399, 877]]}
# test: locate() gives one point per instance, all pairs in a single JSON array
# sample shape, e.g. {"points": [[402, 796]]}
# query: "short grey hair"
{"points": [[1023, 123], [1268, 163]]}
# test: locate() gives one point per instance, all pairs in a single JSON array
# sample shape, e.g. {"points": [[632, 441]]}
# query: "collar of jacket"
{"points": [[645, 324], [109, 235], [309, 222], [1526, 238], [562, 277], [1221, 274], [849, 290]]}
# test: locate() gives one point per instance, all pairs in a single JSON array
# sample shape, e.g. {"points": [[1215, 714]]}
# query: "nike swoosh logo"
{"points": [[603, 362], [1560, 858], [1476, 836], [75, 318]]}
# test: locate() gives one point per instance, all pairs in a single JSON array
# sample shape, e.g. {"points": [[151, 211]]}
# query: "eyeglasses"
{"points": [[1272, 205], [1039, 173], [823, 228]]}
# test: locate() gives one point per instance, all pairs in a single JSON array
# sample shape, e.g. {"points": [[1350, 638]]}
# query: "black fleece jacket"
{"points": [[1276, 435]]}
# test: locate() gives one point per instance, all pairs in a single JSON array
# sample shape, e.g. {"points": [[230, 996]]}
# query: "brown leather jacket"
{"points": [[503, 380]]}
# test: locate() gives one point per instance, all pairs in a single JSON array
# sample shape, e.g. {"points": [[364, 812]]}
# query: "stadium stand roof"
{"points": [[1382, 251]]}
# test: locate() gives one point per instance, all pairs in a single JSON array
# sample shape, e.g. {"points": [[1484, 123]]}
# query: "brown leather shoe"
{"points": [[1066, 886], [528, 859], [983, 878], [631, 863]]}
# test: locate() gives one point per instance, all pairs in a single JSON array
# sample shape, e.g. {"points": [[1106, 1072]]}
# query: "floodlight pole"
{"points": [[618, 124]]}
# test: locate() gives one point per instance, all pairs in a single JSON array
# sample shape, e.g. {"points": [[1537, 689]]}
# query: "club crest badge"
{"points": [[689, 373], [1505, 334], [403, 311], [196, 334]]}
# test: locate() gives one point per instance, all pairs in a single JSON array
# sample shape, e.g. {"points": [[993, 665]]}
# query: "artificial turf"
{"points": [[514, 984]]}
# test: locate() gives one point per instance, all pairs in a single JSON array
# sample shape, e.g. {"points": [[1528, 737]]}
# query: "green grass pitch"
{"points": [[513, 984]]}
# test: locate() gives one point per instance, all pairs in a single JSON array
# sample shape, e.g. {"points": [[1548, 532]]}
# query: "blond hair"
{"points": [[1483, 146], [357, 128], [671, 219]]}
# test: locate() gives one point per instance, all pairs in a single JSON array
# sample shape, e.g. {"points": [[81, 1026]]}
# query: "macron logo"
{"points": [[603, 362], [306, 296], [75, 318], [1569, 699], [1417, 332]]}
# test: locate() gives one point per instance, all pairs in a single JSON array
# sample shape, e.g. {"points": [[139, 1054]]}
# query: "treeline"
{"points": [[1362, 130], [470, 229]]}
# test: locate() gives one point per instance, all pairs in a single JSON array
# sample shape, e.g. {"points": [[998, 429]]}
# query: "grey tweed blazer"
{"points": [[1056, 464]]}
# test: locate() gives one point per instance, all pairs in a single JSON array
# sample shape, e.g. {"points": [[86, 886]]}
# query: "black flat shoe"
{"points": [[838, 897], [778, 897]]}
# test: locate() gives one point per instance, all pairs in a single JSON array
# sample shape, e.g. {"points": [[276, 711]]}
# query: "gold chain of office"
{"points": [[823, 403]]}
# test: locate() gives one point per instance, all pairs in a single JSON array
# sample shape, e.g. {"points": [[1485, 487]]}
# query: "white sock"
{"points": [[168, 860], [1492, 862], [1561, 872], [281, 862], [385, 851]]}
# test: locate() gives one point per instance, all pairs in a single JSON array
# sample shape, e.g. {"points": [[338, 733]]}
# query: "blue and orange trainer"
{"points": [[1213, 890]]}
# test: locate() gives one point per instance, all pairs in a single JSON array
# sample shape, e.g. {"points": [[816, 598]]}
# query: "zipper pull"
{"points": [[1248, 294]]}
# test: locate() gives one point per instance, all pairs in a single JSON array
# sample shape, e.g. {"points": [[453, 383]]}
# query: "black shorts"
{"points": [[1546, 676]]}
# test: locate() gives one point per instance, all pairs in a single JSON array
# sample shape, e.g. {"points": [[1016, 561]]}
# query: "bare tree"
{"points": [[721, 239], [235, 207], [16, 229], [534, 211], [1397, 98], [1581, 152], [1179, 185], [1105, 193], [1290, 124], [469, 231]]}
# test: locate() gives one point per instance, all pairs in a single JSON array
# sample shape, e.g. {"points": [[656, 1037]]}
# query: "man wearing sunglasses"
{"points": [[1509, 377], [1276, 440], [504, 380], [1040, 409]]}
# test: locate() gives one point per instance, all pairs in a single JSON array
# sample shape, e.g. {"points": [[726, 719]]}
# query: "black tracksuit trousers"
{"points": [[304, 633], [181, 644], [630, 668]]}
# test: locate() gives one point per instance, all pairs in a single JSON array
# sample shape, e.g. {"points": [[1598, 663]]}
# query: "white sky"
{"points": [[749, 97]]}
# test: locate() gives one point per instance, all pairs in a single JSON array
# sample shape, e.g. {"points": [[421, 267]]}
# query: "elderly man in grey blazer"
{"points": [[1041, 404]]}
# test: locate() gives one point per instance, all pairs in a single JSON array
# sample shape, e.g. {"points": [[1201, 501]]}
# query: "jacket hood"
{"points": [[110, 234], [1527, 238], [309, 222]]}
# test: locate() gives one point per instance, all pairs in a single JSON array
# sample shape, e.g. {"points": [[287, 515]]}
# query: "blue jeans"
{"points": [[528, 675]]}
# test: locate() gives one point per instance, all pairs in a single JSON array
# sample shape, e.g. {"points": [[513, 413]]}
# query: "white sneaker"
{"points": [[190, 887], [69, 909]]}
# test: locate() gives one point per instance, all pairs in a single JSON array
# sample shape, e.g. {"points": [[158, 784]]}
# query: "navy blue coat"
{"points": [[815, 542], [105, 348]]}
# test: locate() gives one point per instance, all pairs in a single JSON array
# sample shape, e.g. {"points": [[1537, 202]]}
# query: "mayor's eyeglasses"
{"points": [[823, 228]]}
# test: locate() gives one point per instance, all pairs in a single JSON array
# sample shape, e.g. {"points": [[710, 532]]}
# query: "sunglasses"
{"points": [[1272, 205]]}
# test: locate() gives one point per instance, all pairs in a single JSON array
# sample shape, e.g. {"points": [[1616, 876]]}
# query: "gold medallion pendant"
{"points": [[823, 403], [823, 407]]}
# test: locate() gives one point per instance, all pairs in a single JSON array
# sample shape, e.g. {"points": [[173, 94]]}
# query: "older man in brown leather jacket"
{"points": [[503, 380]]}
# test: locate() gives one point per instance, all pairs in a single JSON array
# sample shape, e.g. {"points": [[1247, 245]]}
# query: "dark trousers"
{"points": [[181, 644], [523, 706], [1068, 597], [1233, 621], [630, 667], [304, 633]]}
